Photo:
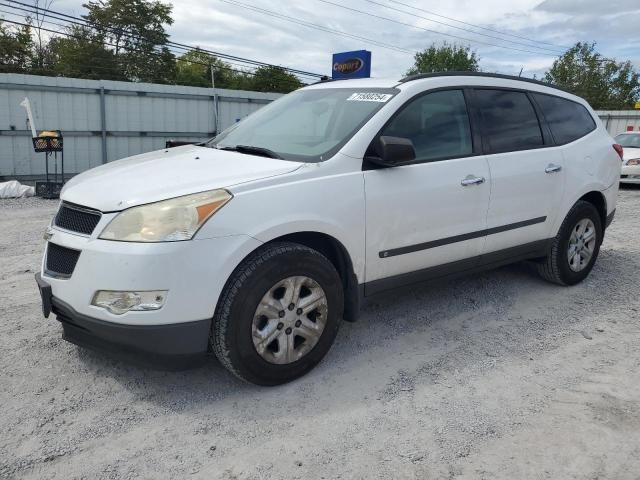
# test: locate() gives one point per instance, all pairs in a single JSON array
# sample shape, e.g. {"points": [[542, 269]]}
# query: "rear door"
{"points": [[526, 178], [432, 212]]}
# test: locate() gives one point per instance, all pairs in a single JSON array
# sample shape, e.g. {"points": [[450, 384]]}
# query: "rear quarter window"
{"points": [[567, 120]]}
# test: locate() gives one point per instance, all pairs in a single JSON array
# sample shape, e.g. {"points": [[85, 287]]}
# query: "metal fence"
{"points": [[620, 121], [105, 120]]}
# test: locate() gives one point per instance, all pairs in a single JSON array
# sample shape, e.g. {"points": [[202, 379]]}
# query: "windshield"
{"points": [[305, 126], [629, 140]]}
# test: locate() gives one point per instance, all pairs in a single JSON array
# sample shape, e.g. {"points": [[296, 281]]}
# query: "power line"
{"points": [[155, 54], [318, 27], [434, 31], [471, 24], [74, 19], [176, 44], [181, 46], [111, 44], [530, 43]]}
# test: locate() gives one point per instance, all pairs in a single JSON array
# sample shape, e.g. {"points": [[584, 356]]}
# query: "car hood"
{"points": [[166, 174], [630, 152]]}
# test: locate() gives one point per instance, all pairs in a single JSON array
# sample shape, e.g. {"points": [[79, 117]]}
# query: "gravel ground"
{"points": [[496, 376]]}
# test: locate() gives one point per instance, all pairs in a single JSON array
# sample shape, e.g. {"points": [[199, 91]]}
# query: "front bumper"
{"points": [[171, 346], [193, 273]]}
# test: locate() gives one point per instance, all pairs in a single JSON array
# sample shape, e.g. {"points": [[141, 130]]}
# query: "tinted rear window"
{"points": [[568, 120], [509, 120]]}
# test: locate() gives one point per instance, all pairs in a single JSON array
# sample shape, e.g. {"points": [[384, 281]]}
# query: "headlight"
{"points": [[633, 161], [166, 221]]}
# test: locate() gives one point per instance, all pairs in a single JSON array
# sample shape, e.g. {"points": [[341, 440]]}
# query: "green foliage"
{"points": [[16, 49], [194, 68], [82, 55], [445, 58], [135, 31], [274, 79], [604, 83], [127, 40]]}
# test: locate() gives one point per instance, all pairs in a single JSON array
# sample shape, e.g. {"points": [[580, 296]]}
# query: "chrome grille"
{"points": [[77, 219]]}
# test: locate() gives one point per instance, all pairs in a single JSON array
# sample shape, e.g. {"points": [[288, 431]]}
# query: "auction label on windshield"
{"points": [[369, 97]]}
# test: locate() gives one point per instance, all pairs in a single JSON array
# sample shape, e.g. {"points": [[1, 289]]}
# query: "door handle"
{"points": [[552, 168], [471, 180]]}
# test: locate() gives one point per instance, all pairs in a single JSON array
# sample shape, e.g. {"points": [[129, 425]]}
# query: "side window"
{"points": [[437, 123], [567, 120], [509, 120]]}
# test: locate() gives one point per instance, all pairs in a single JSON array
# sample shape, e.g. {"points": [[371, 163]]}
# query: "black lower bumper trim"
{"points": [[45, 295], [610, 218], [173, 346]]}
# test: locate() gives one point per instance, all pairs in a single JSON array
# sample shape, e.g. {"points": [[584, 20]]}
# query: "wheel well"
{"points": [[337, 254], [598, 201]]}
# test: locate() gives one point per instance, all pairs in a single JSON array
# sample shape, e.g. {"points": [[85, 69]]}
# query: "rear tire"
{"points": [[575, 248], [257, 335]]}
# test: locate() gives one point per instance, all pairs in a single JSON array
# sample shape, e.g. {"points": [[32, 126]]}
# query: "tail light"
{"points": [[619, 150]]}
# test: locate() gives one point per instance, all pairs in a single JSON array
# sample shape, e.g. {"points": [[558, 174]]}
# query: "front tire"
{"points": [[278, 315], [575, 248]]}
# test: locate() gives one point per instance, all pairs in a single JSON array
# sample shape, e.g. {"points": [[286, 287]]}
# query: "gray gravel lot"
{"points": [[497, 376]]}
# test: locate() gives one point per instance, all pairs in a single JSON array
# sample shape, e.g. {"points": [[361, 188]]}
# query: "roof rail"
{"points": [[480, 74], [323, 79]]}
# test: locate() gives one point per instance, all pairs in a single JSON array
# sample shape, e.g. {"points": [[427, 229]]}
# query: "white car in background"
{"points": [[630, 142]]}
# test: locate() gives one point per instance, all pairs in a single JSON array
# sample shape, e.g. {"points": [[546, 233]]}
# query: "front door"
{"points": [[432, 212]]}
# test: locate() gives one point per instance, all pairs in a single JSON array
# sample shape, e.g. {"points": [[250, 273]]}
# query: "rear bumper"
{"points": [[168, 346]]}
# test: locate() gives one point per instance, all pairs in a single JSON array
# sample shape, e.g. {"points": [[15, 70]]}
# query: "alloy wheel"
{"points": [[582, 244], [289, 320]]}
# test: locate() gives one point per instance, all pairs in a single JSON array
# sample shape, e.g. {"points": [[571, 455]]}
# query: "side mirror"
{"points": [[391, 151]]}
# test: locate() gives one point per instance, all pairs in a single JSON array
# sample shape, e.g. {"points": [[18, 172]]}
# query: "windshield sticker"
{"points": [[369, 97]]}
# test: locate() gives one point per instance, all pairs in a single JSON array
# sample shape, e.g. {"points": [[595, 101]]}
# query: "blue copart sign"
{"points": [[355, 64]]}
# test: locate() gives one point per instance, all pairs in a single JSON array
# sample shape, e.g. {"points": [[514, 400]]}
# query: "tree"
{"points": [[40, 45], [83, 55], [603, 82], [135, 31], [194, 68], [445, 58], [274, 79], [16, 49]]}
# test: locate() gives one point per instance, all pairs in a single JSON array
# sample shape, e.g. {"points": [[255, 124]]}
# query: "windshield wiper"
{"points": [[251, 150]]}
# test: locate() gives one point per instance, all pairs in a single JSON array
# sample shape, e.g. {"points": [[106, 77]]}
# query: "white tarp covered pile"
{"points": [[14, 189]]}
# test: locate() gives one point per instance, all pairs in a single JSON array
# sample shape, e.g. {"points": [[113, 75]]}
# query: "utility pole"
{"points": [[215, 97]]}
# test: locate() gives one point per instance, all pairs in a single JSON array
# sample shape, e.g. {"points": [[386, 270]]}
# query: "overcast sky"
{"points": [[233, 29]]}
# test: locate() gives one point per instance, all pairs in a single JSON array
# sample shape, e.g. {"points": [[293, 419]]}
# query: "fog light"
{"points": [[123, 302]]}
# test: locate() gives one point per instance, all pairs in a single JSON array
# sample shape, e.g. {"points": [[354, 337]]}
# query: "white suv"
{"points": [[256, 244]]}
